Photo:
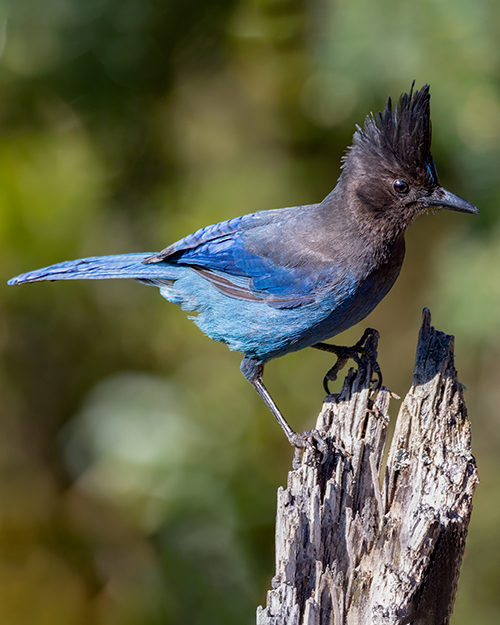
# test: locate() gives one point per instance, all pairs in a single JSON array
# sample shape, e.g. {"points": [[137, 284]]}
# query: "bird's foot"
{"points": [[310, 447], [363, 352]]}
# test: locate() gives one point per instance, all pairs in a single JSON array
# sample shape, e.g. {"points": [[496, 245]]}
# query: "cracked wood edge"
{"points": [[349, 551]]}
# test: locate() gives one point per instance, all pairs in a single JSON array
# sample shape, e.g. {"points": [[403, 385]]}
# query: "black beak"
{"points": [[441, 198]]}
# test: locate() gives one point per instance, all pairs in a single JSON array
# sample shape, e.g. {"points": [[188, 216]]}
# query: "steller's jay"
{"points": [[277, 281]]}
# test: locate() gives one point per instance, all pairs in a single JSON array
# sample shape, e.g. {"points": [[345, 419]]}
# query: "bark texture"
{"points": [[354, 549]]}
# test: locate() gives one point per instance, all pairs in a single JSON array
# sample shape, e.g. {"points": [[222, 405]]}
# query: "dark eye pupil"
{"points": [[400, 186]]}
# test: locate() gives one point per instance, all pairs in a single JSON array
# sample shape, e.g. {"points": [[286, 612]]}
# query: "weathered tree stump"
{"points": [[350, 551]]}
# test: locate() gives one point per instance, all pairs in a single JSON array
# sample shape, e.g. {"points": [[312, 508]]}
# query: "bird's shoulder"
{"points": [[255, 256], [285, 257], [222, 233]]}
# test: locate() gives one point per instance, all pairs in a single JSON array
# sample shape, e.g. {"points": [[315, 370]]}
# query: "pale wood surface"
{"points": [[350, 551]]}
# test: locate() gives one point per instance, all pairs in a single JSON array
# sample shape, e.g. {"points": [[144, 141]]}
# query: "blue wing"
{"points": [[245, 257], [267, 256]]}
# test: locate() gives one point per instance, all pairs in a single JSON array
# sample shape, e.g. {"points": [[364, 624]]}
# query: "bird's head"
{"points": [[390, 170]]}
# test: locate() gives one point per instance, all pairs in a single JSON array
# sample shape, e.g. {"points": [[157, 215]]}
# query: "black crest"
{"points": [[400, 135]]}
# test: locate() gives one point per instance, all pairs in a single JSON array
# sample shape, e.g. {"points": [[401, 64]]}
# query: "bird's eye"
{"points": [[400, 186]]}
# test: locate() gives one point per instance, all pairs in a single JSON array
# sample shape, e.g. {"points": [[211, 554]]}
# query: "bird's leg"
{"points": [[365, 348], [253, 371]]}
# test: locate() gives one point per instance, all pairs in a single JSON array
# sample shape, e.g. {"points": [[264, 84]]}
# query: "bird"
{"points": [[277, 281]]}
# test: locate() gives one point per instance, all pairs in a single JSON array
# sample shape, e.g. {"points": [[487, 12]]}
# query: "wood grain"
{"points": [[352, 548]]}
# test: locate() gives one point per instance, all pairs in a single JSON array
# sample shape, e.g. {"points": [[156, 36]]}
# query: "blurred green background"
{"points": [[138, 469]]}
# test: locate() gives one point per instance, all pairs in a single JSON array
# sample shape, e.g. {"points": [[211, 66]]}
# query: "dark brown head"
{"points": [[389, 172]]}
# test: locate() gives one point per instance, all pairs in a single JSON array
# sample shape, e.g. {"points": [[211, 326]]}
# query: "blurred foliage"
{"points": [[138, 469]]}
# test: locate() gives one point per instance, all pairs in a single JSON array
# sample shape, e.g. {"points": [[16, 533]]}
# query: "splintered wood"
{"points": [[350, 551]]}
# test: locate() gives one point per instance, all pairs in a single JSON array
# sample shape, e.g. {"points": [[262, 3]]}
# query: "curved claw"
{"points": [[365, 348], [343, 356], [311, 441]]}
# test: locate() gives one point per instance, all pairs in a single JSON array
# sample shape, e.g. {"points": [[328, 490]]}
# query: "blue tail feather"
{"points": [[100, 268]]}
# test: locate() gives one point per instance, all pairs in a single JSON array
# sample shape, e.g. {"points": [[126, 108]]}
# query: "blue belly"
{"points": [[264, 332]]}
